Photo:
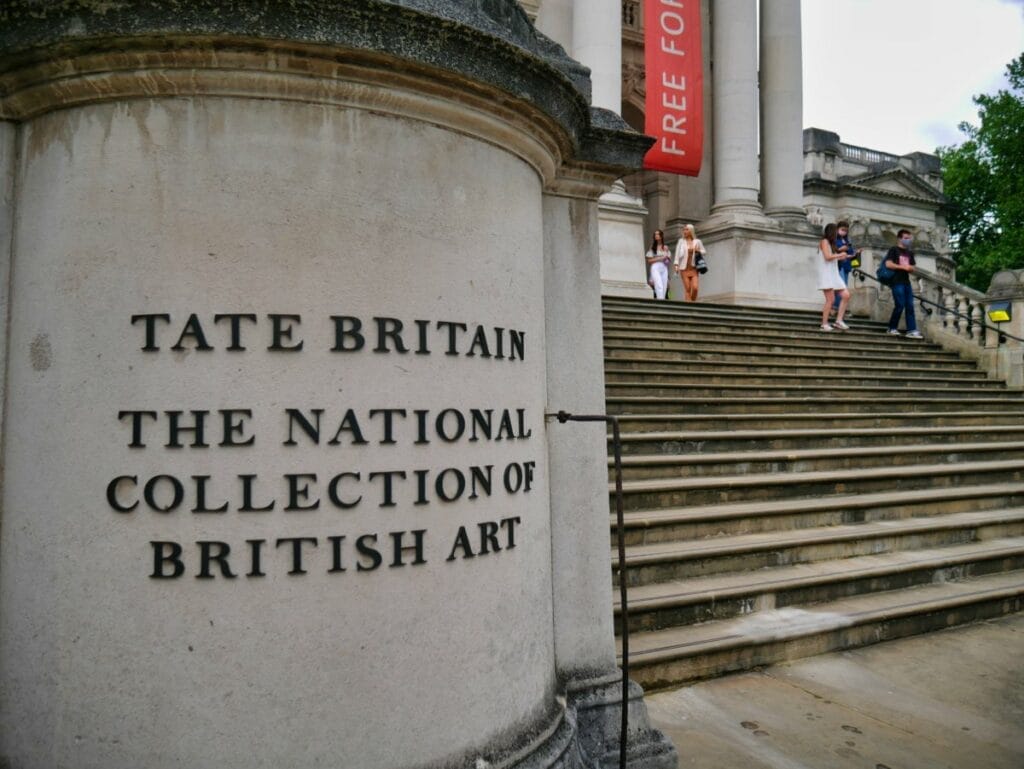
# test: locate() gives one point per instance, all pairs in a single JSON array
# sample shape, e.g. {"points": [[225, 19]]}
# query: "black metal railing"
{"points": [[563, 417]]}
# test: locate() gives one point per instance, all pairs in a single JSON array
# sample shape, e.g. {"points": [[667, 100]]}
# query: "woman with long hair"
{"points": [[829, 279], [686, 262], [658, 260]]}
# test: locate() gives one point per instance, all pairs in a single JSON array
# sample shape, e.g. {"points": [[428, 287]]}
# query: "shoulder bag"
{"points": [[885, 274]]}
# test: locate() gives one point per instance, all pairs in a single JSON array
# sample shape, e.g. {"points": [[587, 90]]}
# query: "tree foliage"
{"points": [[984, 181]]}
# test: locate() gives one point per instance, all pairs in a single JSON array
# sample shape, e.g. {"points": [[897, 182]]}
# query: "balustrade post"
{"points": [[949, 304], [961, 321], [919, 287], [977, 318]]}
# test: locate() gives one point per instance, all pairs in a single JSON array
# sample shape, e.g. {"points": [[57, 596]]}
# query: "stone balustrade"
{"points": [[956, 316], [631, 15]]}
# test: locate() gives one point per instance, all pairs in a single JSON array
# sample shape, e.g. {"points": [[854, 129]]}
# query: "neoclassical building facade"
{"points": [[766, 185]]}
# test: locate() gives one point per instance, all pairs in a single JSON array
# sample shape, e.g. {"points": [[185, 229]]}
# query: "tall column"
{"points": [[782, 156], [8, 158], [554, 19], [734, 98], [597, 44]]}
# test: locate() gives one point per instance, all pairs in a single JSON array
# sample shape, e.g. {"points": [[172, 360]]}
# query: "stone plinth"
{"points": [[1006, 359], [621, 237], [759, 266], [278, 486]]}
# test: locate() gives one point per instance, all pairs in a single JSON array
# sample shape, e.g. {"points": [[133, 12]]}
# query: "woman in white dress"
{"points": [[829, 279], [658, 260], [686, 261]]}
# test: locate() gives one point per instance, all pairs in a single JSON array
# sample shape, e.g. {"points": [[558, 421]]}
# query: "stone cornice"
{"points": [[836, 188], [711, 231], [926, 189], [57, 54]]}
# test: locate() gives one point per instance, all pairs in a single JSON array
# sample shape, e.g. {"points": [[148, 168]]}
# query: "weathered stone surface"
{"points": [[412, 165], [1007, 284], [487, 41]]}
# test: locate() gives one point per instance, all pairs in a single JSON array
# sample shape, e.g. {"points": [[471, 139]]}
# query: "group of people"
{"points": [[835, 264], [685, 262], [836, 261]]}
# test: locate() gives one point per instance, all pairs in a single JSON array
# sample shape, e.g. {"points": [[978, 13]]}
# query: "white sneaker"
{"points": [[893, 332], [826, 327], [841, 326], [914, 335]]}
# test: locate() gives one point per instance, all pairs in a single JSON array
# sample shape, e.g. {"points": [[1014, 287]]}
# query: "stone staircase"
{"points": [[790, 492]]}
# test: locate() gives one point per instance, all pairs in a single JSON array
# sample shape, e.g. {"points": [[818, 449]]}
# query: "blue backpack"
{"points": [[884, 274]]}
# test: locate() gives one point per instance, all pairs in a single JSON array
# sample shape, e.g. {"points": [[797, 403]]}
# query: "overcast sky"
{"points": [[898, 75]]}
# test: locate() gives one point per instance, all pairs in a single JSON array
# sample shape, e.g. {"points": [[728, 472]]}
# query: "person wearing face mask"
{"points": [[900, 259]]}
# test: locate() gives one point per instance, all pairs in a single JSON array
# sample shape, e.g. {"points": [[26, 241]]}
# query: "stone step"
{"points": [[674, 656], [877, 343], [789, 491], [687, 327], [700, 354], [906, 403], [696, 443], [821, 367], [826, 420], [652, 466], [774, 316], [846, 391], [675, 492], [826, 346], [711, 324], [672, 524], [667, 561], [702, 599], [932, 378]]}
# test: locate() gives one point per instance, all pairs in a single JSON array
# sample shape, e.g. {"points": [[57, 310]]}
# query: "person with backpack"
{"points": [[900, 259]]}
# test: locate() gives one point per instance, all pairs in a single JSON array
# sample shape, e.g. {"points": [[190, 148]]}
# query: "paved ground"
{"points": [[949, 699]]}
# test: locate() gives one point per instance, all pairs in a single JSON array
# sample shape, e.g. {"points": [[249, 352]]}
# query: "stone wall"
{"points": [[287, 308]]}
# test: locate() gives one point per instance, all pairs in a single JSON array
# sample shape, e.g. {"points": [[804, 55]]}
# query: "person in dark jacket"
{"points": [[844, 247], [900, 259]]}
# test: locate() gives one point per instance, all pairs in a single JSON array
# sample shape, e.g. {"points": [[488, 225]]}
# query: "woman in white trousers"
{"points": [[659, 257]]}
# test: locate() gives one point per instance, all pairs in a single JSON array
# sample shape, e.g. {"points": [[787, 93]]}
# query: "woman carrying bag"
{"points": [[689, 262]]}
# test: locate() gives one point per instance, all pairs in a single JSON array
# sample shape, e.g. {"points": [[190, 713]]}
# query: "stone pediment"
{"points": [[894, 182]]}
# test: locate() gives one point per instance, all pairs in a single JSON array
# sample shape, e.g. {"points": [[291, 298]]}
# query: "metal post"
{"points": [[563, 417]]}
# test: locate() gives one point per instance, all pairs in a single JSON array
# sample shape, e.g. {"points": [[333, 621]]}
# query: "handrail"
{"points": [[938, 280], [620, 531], [1003, 335]]}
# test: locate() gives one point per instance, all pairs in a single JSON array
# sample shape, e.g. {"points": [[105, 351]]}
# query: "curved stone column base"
{"points": [[737, 213], [792, 218], [584, 734], [596, 704]]}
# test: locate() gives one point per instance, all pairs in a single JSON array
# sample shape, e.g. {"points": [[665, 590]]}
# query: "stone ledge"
{"points": [[489, 42]]}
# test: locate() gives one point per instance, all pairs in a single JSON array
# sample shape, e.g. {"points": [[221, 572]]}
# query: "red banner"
{"points": [[674, 104]]}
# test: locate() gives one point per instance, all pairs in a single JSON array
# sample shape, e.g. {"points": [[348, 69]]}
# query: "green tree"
{"points": [[984, 181]]}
